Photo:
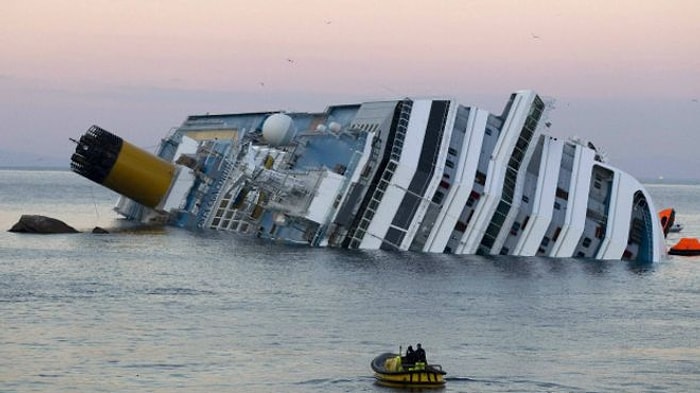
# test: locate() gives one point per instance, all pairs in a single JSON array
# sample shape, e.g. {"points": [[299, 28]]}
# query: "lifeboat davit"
{"points": [[687, 246]]}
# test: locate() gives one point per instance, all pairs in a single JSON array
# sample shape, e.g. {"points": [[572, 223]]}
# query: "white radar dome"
{"points": [[278, 129], [335, 127]]}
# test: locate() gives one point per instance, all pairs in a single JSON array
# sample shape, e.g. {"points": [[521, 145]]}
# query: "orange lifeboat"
{"points": [[687, 246], [667, 217]]}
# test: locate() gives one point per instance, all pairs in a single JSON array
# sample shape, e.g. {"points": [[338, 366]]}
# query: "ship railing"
{"points": [[213, 194]]}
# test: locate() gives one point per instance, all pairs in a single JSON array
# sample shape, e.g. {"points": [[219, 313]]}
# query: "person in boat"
{"points": [[410, 357], [420, 354]]}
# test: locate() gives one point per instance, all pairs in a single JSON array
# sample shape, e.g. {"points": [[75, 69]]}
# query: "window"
{"points": [[515, 228], [563, 194], [480, 178], [460, 226], [586, 242], [556, 234], [599, 232]]}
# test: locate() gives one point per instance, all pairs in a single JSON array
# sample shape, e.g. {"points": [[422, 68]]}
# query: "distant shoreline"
{"points": [[664, 181], [34, 168]]}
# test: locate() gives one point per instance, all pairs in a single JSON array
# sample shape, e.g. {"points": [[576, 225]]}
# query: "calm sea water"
{"points": [[164, 310]]}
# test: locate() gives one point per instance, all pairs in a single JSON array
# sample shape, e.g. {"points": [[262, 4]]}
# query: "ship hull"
{"points": [[426, 175]]}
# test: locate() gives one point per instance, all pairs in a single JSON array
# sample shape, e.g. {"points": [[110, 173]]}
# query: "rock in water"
{"points": [[99, 230], [30, 223]]}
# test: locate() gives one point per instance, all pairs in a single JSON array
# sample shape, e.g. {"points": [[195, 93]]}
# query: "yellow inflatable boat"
{"points": [[390, 371]]}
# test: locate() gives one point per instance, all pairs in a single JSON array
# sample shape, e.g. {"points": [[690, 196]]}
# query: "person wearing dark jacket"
{"points": [[410, 357], [420, 354]]}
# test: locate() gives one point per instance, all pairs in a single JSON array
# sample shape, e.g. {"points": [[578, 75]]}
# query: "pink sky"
{"points": [[625, 74]]}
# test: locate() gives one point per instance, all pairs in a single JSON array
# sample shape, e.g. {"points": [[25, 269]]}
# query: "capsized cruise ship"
{"points": [[426, 175]]}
